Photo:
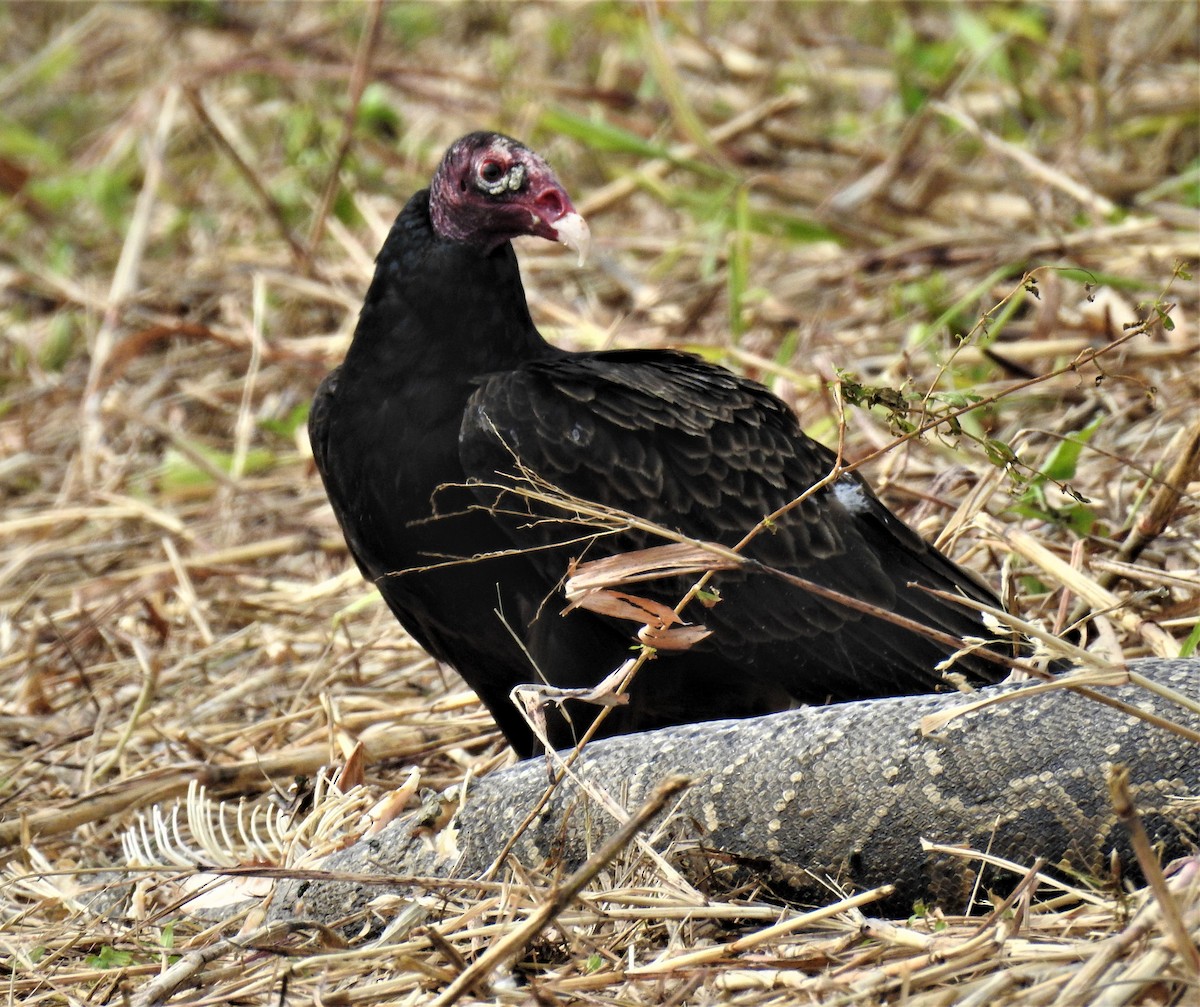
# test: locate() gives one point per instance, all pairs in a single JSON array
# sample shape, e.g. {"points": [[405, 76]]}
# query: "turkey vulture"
{"points": [[448, 394]]}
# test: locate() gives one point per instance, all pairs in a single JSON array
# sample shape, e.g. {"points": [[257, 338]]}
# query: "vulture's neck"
{"points": [[441, 311]]}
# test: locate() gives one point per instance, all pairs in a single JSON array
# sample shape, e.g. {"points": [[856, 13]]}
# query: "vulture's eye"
{"points": [[491, 171]]}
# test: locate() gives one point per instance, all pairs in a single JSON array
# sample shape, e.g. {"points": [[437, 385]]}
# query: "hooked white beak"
{"points": [[572, 230]]}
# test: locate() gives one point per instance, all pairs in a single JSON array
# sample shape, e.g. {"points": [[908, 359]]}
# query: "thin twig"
{"points": [[1122, 802], [513, 943], [359, 76]]}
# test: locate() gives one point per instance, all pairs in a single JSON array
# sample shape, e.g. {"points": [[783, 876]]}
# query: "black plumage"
{"points": [[448, 395]]}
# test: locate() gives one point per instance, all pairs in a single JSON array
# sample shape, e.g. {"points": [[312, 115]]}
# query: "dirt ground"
{"points": [[979, 221]]}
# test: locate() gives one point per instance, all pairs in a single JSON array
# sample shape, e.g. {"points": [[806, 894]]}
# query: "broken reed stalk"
{"points": [[1184, 448], [513, 943], [942, 229], [1123, 804]]}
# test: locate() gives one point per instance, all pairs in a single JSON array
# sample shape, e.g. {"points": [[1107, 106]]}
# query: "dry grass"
{"points": [[190, 213]]}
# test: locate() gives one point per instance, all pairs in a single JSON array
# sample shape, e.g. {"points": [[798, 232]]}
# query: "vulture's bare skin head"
{"points": [[490, 189]]}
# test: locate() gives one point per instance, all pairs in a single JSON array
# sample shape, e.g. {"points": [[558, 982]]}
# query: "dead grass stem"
{"points": [[984, 219]]}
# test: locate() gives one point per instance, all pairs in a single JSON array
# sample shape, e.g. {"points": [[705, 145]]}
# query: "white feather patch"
{"points": [[851, 496]]}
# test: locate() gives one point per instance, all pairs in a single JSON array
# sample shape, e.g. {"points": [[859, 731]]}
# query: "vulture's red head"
{"points": [[490, 188]]}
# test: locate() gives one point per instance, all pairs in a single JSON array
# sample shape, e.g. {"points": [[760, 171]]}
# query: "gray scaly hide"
{"points": [[845, 792]]}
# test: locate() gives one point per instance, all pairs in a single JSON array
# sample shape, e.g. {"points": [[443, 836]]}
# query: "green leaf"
{"points": [[961, 314], [787, 347], [287, 426], [999, 453], [1080, 519], [412, 23], [1060, 466], [376, 111], [109, 958], [1022, 22], [1031, 585], [956, 400], [178, 472], [1091, 279], [1062, 463], [21, 144], [1167, 322], [713, 204], [600, 135], [61, 340], [1188, 647]]}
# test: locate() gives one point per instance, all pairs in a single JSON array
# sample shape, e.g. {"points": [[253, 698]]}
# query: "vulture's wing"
{"points": [[672, 439]]}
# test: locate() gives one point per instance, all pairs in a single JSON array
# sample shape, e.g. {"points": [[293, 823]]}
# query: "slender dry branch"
{"points": [[513, 943]]}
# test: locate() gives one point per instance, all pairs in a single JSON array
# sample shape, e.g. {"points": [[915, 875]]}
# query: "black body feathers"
{"points": [[448, 390]]}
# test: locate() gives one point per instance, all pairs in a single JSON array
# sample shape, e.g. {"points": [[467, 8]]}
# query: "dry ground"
{"points": [[943, 205]]}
